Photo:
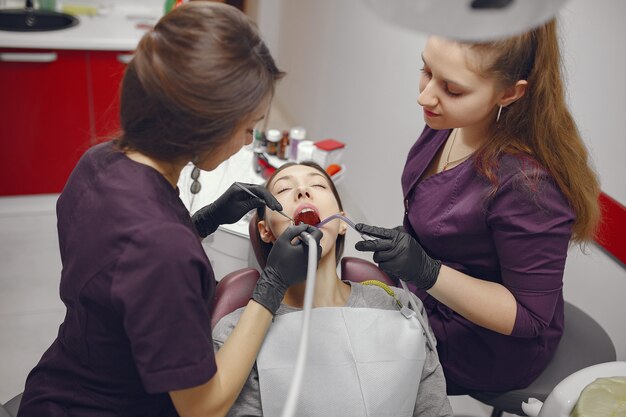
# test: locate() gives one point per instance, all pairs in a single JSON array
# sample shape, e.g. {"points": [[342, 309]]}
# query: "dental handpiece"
{"points": [[306, 237], [298, 374]]}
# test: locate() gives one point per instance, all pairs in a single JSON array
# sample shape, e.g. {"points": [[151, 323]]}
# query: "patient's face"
{"points": [[299, 188]]}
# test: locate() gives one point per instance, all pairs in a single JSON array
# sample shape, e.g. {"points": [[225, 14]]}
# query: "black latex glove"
{"points": [[286, 265], [231, 206], [399, 255]]}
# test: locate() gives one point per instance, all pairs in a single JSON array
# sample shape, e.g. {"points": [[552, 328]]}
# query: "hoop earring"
{"points": [[195, 174], [499, 112]]}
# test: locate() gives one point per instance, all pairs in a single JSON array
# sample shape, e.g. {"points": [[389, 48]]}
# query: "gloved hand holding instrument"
{"points": [[231, 206], [286, 265], [399, 255], [287, 261]]}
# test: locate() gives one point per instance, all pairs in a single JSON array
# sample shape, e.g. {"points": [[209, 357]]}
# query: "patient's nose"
{"points": [[302, 192], [427, 97]]}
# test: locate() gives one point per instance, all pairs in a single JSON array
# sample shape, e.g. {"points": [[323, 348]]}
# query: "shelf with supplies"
{"points": [[266, 164], [273, 148]]}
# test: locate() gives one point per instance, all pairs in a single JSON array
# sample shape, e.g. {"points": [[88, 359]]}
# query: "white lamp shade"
{"points": [[467, 20]]}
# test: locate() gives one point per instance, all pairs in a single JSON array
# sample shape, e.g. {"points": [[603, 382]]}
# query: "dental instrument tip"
{"points": [[287, 216]]}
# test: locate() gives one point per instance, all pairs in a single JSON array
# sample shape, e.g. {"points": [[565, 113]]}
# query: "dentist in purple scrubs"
{"points": [[495, 189], [138, 287]]}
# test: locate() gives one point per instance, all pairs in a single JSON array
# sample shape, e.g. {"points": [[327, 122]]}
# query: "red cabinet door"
{"points": [[53, 106], [44, 119], [106, 72]]}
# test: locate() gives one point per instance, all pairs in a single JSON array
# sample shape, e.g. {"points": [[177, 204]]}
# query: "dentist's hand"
{"points": [[399, 255], [286, 265], [231, 206]]}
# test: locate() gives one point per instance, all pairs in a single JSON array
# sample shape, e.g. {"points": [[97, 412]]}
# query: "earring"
{"points": [[195, 174], [499, 112]]}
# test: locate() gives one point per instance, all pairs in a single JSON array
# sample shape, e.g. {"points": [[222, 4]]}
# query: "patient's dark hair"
{"points": [[195, 78], [339, 243]]}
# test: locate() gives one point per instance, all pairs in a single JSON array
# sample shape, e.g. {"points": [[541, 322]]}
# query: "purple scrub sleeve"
{"points": [[517, 236], [137, 286], [531, 238]]}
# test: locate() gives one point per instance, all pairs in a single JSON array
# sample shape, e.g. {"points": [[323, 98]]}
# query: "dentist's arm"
{"points": [[286, 265], [488, 304]]}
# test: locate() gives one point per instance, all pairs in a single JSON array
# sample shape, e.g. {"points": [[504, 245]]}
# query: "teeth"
{"points": [[306, 210]]}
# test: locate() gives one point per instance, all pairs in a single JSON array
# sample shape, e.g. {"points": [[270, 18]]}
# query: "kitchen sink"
{"points": [[29, 20]]}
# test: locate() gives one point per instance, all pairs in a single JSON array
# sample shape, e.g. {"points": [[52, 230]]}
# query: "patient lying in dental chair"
{"points": [[365, 357]]}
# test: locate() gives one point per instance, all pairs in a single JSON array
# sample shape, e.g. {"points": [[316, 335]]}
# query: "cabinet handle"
{"points": [[125, 58], [28, 57]]}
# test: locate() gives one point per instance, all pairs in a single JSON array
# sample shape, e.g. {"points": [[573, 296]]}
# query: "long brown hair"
{"points": [[339, 243], [195, 78], [539, 124]]}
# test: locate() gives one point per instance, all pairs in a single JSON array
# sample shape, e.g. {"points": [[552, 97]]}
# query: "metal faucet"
{"points": [[30, 18]]}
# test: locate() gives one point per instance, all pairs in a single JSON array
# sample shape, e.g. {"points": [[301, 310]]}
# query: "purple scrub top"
{"points": [[517, 237], [137, 286]]}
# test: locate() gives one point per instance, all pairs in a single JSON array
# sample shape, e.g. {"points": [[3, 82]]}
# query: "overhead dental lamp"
{"points": [[467, 20]]}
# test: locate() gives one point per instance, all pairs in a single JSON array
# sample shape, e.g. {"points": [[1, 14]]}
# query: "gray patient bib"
{"points": [[360, 362]]}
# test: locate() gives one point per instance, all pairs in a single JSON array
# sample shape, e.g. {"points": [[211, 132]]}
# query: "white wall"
{"points": [[594, 41], [354, 78]]}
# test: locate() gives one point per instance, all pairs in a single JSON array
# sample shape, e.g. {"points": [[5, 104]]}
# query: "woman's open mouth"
{"points": [[306, 214]]}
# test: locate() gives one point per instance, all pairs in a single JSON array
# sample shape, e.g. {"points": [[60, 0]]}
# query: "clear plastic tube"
{"points": [[345, 219], [333, 217]]}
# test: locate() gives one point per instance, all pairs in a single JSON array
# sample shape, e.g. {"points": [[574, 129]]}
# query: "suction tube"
{"points": [[298, 374]]}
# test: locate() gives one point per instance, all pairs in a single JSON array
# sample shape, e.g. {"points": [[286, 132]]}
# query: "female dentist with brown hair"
{"points": [[495, 189], [138, 287]]}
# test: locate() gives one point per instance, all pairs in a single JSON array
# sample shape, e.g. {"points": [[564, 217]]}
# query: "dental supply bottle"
{"points": [[260, 142], [273, 140], [283, 146], [258, 147], [305, 150], [328, 152], [171, 4], [296, 135]]}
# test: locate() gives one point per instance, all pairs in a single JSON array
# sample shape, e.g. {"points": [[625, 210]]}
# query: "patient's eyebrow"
{"points": [[290, 177], [284, 177], [313, 174]]}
